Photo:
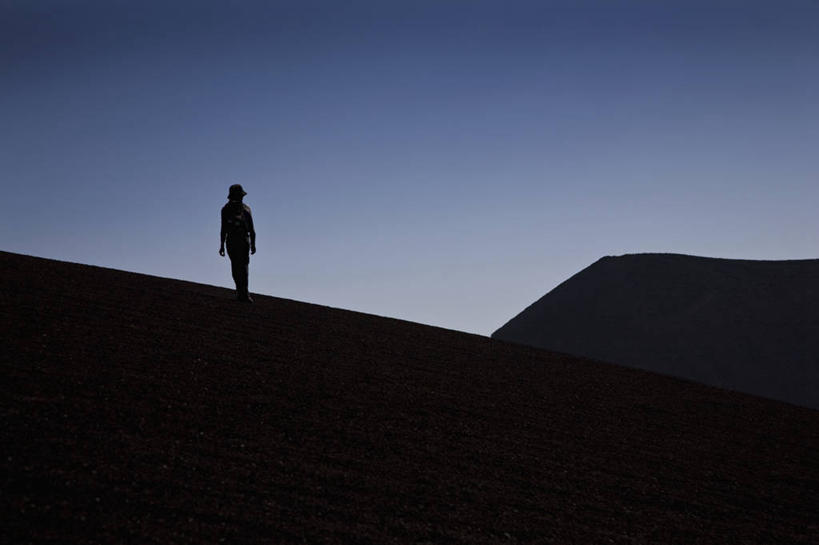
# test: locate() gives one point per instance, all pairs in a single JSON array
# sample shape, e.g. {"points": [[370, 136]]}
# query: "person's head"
{"points": [[235, 193]]}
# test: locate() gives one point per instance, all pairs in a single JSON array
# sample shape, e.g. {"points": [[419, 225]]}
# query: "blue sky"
{"points": [[446, 162]]}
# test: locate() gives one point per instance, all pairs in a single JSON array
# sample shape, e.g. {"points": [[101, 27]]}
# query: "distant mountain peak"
{"points": [[747, 325]]}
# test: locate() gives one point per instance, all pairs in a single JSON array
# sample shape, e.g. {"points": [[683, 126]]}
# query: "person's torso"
{"points": [[235, 218]]}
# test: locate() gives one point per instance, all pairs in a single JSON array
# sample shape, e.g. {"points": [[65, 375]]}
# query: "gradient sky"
{"points": [[446, 162]]}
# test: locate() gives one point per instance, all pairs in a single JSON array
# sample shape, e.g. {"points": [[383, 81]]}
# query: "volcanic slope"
{"points": [[138, 409], [751, 326]]}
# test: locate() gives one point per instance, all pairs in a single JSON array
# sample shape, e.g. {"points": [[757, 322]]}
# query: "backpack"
{"points": [[236, 219]]}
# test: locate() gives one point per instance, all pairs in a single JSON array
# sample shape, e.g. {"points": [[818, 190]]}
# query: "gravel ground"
{"points": [[138, 409]]}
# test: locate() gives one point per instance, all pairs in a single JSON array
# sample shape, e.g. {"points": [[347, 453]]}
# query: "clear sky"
{"points": [[442, 161]]}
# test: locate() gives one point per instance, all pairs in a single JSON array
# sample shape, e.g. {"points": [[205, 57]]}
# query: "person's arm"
{"points": [[251, 230], [222, 236]]}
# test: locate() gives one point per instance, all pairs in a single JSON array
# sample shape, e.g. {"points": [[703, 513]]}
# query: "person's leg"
{"points": [[246, 272], [236, 272], [239, 260], [242, 274]]}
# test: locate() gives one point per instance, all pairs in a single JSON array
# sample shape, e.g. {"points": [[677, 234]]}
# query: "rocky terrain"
{"points": [[138, 409]]}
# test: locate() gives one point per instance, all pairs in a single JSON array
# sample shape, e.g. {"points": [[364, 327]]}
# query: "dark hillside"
{"points": [[751, 326], [138, 409]]}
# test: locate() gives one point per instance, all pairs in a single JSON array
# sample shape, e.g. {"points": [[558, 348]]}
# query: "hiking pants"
{"points": [[239, 253]]}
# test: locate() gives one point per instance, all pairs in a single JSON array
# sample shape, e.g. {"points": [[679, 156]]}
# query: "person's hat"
{"points": [[236, 192]]}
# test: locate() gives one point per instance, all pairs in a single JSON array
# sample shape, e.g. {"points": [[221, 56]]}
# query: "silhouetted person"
{"points": [[238, 232]]}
